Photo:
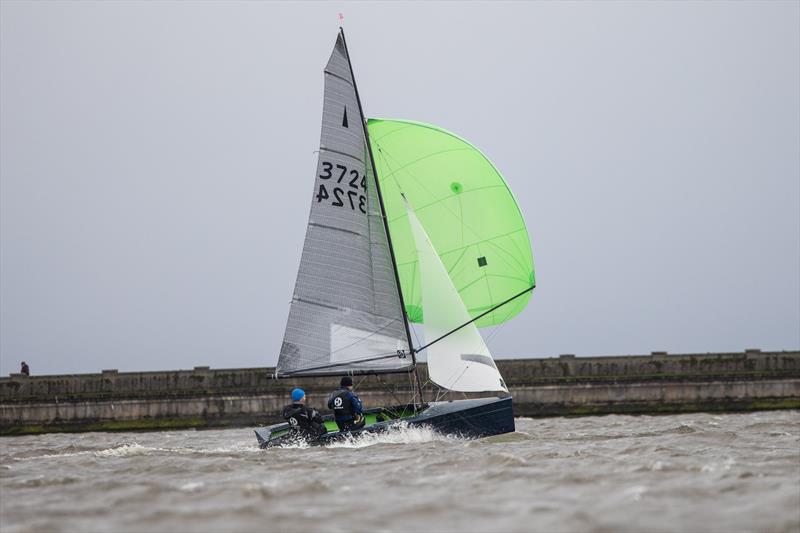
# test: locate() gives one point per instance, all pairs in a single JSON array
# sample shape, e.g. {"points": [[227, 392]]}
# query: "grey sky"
{"points": [[157, 167]]}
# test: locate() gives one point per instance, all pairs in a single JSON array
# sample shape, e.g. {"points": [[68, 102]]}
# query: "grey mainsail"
{"points": [[345, 316]]}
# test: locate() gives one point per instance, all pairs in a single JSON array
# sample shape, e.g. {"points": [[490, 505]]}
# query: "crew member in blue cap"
{"points": [[347, 409], [306, 421]]}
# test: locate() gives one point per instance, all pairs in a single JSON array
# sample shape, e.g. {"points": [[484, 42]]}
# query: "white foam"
{"points": [[400, 433], [714, 466], [635, 493], [126, 450], [52, 455], [134, 449], [192, 486], [241, 447], [295, 444]]}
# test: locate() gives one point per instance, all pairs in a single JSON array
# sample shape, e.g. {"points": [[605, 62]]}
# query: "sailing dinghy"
{"points": [[408, 223]]}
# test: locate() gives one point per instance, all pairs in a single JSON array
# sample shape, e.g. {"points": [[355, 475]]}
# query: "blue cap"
{"points": [[297, 395]]}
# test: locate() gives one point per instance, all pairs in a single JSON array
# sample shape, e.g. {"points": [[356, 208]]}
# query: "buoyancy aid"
{"points": [[304, 419], [341, 403]]}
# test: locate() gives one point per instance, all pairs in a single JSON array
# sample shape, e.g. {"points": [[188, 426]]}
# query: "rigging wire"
{"points": [[495, 331], [391, 391], [501, 304]]}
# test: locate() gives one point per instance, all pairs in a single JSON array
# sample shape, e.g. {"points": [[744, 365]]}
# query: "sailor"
{"points": [[347, 409], [307, 422]]}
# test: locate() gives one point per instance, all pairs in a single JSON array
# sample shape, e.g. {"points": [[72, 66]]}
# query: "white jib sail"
{"points": [[461, 361]]}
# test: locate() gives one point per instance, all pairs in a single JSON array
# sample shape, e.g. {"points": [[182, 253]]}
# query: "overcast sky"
{"points": [[157, 164]]}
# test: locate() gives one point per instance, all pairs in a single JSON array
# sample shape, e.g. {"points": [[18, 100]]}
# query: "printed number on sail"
{"points": [[342, 196]]}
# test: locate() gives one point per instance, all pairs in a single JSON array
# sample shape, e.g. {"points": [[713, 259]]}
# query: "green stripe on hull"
{"points": [[371, 418]]}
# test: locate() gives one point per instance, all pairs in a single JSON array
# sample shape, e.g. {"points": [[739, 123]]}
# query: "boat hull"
{"points": [[473, 418]]}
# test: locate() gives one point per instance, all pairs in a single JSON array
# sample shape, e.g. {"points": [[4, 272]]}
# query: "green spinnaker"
{"points": [[467, 210]]}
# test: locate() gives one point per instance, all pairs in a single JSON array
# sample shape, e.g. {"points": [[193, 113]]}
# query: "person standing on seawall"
{"points": [[24, 370], [347, 409]]}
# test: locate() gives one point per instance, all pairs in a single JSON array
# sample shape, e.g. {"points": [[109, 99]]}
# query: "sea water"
{"points": [[694, 472]]}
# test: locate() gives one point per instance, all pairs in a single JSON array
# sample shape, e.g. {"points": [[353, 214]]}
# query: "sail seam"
{"points": [[318, 225], [319, 304], [311, 302], [338, 76], [342, 153]]}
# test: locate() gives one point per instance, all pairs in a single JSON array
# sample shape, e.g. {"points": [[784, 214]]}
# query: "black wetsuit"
{"points": [[305, 421], [347, 409]]}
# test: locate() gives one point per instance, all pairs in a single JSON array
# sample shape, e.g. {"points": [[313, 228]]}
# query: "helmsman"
{"points": [[305, 421]]}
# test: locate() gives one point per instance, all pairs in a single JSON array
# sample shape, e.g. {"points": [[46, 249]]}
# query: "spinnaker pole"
{"points": [[385, 222], [495, 308]]}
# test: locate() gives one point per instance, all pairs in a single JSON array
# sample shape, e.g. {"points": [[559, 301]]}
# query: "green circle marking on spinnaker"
{"points": [[467, 210]]}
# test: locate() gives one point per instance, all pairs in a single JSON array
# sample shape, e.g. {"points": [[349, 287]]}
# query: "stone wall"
{"points": [[566, 385]]}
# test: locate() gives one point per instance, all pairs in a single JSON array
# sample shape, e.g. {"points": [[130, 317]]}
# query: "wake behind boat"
{"points": [[371, 264]]}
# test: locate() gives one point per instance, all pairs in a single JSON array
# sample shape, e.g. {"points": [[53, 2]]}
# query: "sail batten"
{"points": [[345, 316]]}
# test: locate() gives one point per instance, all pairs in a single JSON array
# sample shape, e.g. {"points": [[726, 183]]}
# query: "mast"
{"points": [[385, 222]]}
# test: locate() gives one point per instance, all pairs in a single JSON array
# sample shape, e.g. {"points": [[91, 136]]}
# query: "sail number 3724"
{"points": [[352, 183]]}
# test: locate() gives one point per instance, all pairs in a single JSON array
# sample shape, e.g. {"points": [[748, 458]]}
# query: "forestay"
{"points": [[345, 315], [460, 361]]}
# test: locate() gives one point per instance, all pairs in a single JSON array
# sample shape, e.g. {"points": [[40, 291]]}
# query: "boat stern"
{"points": [[479, 417], [265, 435]]}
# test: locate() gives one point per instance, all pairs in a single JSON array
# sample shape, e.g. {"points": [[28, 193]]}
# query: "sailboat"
{"points": [[409, 223]]}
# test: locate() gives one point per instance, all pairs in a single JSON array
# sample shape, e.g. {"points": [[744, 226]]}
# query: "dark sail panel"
{"points": [[345, 316]]}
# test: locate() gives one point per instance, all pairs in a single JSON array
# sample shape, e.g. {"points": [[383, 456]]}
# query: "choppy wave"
{"points": [[400, 433], [134, 449], [616, 473], [126, 450]]}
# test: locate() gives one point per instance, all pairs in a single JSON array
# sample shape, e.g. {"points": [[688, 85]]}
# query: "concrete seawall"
{"points": [[567, 385]]}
